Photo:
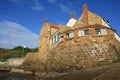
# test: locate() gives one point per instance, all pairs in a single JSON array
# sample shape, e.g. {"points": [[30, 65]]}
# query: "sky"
{"points": [[21, 20]]}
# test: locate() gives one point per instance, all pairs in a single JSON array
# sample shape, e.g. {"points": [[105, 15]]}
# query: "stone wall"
{"points": [[15, 62], [81, 55], [32, 62]]}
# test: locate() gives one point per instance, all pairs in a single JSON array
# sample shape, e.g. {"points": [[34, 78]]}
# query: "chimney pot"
{"points": [[71, 15]]}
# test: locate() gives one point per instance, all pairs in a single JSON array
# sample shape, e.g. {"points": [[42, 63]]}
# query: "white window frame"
{"points": [[101, 32], [83, 32], [80, 33], [55, 38], [70, 35], [98, 31]]}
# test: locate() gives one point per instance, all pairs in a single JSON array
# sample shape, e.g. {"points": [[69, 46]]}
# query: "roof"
{"points": [[53, 25]]}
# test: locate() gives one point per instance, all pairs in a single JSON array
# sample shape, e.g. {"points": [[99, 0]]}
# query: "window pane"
{"points": [[70, 35], [55, 38], [98, 31], [86, 32]]}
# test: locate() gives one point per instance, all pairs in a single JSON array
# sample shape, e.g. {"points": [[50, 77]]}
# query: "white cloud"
{"points": [[13, 34], [18, 2], [52, 1], [32, 4], [64, 8], [37, 5]]}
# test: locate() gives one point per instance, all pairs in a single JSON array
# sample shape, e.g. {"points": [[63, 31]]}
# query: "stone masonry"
{"points": [[89, 42]]}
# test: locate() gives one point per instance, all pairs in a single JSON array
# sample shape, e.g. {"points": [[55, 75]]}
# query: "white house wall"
{"points": [[71, 22], [105, 24], [117, 37]]}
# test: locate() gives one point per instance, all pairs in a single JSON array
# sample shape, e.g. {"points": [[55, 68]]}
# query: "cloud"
{"points": [[37, 5], [13, 34], [18, 2], [64, 8], [32, 4], [52, 1]]}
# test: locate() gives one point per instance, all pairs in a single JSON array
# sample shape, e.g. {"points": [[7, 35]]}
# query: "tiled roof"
{"points": [[53, 25]]}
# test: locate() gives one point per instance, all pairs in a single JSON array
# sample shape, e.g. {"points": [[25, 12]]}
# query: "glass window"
{"points": [[61, 38], [55, 38], [98, 31], [70, 35], [83, 32], [86, 32]]}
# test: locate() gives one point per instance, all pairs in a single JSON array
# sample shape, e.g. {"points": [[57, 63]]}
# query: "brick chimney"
{"points": [[85, 14], [71, 15], [46, 20]]}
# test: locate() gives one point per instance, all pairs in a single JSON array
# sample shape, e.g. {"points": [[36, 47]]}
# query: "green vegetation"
{"points": [[16, 52]]}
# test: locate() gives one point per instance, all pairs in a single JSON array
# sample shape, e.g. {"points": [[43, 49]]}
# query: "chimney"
{"points": [[72, 15], [46, 20], [85, 14]]}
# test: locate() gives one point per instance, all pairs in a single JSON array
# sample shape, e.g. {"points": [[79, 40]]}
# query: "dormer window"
{"points": [[70, 35]]}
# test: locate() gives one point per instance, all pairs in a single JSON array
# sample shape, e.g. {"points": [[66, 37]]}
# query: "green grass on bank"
{"points": [[16, 52]]}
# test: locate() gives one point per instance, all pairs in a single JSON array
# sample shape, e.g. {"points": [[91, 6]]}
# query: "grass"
{"points": [[15, 52]]}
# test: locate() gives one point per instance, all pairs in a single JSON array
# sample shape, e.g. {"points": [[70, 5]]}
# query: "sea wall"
{"points": [[83, 55]]}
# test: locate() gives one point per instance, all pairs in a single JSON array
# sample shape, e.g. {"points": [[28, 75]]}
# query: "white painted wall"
{"points": [[115, 34], [71, 22], [117, 37], [105, 24]]}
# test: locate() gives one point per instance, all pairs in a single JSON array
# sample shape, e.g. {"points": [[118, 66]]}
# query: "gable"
{"points": [[71, 22]]}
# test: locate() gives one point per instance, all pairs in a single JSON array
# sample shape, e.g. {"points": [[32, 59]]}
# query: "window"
{"points": [[80, 33], [83, 32], [98, 31], [70, 35], [86, 32], [55, 38], [101, 31], [61, 38]]}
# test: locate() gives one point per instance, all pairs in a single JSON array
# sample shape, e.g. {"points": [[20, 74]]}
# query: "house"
{"points": [[84, 42]]}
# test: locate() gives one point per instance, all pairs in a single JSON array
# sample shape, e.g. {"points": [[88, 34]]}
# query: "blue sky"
{"points": [[21, 20]]}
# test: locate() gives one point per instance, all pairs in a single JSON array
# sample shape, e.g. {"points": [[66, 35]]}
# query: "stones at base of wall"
{"points": [[81, 55], [32, 62], [15, 62], [16, 70]]}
